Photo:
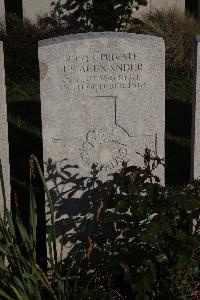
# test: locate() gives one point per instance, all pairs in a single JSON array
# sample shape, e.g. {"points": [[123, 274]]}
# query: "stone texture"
{"points": [[103, 100], [195, 149], [4, 148], [2, 11]]}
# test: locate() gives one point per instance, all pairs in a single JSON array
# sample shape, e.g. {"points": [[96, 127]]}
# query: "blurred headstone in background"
{"points": [[4, 147]]}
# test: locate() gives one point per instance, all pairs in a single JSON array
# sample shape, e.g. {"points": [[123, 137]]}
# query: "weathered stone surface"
{"points": [[195, 149], [2, 11], [103, 100], [4, 149]]}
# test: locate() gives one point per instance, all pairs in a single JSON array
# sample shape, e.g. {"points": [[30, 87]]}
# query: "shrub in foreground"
{"points": [[142, 242], [155, 244]]}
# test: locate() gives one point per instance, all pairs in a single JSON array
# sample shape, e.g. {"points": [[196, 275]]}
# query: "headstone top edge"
{"points": [[93, 35]]}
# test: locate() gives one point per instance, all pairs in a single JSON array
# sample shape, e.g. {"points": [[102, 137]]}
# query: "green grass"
{"points": [[26, 91], [24, 140], [185, 143], [179, 88], [24, 126]]}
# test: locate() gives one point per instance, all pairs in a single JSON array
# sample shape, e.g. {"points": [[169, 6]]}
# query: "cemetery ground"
{"points": [[25, 138]]}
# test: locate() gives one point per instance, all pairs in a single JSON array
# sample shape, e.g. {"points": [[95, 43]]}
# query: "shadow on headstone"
{"points": [[76, 201]]}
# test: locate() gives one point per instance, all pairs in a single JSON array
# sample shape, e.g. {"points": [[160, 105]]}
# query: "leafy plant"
{"points": [[21, 278], [153, 245], [143, 244], [95, 15]]}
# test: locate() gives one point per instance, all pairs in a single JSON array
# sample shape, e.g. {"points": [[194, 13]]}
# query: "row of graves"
{"points": [[38, 8], [102, 103]]}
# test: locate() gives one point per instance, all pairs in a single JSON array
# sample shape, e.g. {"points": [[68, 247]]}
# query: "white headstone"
{"points": [[103, 100], [195, 147], [2, 11], [4, 148]]}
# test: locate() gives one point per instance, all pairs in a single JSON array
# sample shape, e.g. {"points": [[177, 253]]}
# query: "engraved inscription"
{"points": [[102, 71], [104, 149]]}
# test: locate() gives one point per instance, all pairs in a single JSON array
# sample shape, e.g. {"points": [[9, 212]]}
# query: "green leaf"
{"points": [[5, 295], [50, 202], [33, 221], [107, 220], [123, 206], [44, 281], [22, 230], [5, 250], [180, 235], [11, 225], [161, 257], [2, 266], [17, 293]]}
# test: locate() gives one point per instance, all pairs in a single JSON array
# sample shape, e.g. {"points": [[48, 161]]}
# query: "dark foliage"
{"points": [[21, 36], [95, 15], [142, 243], [21, 47], [145, 236]]}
